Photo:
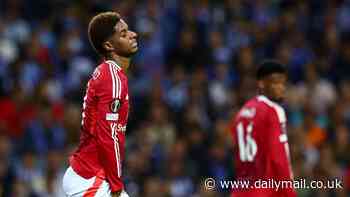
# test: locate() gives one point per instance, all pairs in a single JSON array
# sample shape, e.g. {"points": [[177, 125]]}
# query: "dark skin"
{"points": [[116, 194], [273, 86], [121, 45]]}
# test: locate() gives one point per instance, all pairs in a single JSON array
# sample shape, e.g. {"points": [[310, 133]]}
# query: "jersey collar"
{"points": [[114, 64], [265, 99]]}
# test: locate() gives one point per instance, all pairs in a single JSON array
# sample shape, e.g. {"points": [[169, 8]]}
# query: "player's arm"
{"points": [[278, 148], [106, 129]]}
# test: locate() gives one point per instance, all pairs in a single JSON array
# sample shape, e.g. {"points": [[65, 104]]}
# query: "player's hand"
{"points": [[116, 194]]}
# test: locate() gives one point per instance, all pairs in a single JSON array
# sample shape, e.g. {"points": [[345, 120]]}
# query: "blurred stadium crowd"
{"points": [[194, 69]]}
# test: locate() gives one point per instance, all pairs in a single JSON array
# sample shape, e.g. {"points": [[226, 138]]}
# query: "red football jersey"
{"points": [[104, 118], [261, 150]]}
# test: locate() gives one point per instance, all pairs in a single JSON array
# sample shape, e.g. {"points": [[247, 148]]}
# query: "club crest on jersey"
{"points": [[115, 105]]}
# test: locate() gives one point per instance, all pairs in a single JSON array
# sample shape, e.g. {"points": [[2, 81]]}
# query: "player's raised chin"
{"points": [[127, 39]]}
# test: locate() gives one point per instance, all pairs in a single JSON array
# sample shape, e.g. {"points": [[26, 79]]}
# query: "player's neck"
{"points": [[123, 62]]}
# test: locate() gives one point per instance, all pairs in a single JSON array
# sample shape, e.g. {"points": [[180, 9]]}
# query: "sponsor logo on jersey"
{"points": [[118, 127], [112, 116], [115, 105], [121, 128]]}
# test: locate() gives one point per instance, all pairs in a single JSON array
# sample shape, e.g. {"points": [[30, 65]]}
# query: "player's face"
{"points": [[274, 86], [123, 40]]}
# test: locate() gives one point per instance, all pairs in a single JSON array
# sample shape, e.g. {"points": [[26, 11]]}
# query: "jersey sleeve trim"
{"points": [[116, 147], [116, 82]]}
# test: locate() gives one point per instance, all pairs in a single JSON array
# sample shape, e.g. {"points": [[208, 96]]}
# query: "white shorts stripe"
{"points": [[74, 185]]}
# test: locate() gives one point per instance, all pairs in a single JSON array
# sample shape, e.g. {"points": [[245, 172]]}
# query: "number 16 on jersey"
{"points": [[246, 143]]}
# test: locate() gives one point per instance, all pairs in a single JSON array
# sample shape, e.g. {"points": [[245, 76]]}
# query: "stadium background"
{"points": [[194, 69]]}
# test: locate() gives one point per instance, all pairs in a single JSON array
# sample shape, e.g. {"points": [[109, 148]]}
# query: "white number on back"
{"points": [[246, 144]]}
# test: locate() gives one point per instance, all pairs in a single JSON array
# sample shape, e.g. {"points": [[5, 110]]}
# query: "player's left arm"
{"points": [[278, 147], [279, 153]]}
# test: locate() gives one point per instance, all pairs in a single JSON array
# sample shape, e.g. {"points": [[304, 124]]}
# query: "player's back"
{"points": [[260, 143], [261, 151], [85, 159], [248, 131]]}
